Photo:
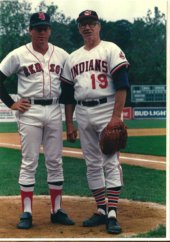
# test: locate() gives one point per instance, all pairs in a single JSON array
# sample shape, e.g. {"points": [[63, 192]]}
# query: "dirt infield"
{"points": [[134, 217]]}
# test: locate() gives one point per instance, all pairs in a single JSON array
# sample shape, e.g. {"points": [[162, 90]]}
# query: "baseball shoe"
{"points": [[113, 226], [61, 218], [25, 221], [95, 220]]}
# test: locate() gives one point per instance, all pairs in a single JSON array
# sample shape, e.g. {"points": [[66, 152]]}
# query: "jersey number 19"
{"points": [[100, 80]]}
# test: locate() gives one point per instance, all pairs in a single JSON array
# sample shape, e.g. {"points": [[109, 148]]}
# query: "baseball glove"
{"points": [[113, 139]]}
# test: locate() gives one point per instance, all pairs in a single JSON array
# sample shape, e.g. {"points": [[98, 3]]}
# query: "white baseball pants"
{"points": [[102, 170], [41, 125]]}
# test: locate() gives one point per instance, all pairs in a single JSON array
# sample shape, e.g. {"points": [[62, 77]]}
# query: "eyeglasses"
{"points": [[91, 24]]}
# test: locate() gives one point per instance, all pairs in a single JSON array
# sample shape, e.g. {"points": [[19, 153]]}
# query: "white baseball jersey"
{"points": [[38, 78], [90, 70], [38, 75]]}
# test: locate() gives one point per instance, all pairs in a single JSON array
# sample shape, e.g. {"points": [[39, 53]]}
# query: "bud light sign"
{"points": [[149, 113]]}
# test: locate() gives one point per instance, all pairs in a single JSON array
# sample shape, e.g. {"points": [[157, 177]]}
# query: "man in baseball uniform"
{"points": [[95, 83], [38, 65]]}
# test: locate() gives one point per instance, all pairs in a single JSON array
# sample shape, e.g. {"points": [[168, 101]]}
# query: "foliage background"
{"points": [[143, 41]]}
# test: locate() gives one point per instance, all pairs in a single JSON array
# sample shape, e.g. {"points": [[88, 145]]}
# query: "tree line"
{"points": [[143, 41]]}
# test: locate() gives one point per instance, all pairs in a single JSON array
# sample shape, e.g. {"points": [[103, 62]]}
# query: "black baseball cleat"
{"points": [[113, 226], [25, 221], [61, 218], [95, 220]]}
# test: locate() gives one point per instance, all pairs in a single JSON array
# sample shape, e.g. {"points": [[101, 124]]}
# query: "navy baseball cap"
{"points": [[87, 14], [39, 19]]}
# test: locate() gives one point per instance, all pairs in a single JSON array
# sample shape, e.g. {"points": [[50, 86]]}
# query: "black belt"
{"points": [[92, 103], [42, 102]]}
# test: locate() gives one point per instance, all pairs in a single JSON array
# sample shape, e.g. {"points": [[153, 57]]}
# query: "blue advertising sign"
{"points": [[149, 112]]}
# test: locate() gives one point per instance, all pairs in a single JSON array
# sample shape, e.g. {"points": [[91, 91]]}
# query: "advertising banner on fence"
{"points": [[6, 114], [149, 113], [127, 113]]}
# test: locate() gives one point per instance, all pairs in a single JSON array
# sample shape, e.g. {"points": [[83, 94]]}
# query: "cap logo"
{"points": [[121, 55], [87, 12], [41, 16]]}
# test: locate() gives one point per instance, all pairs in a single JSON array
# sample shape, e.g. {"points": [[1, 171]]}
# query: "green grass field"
{"points": [[137, 145], [140, 184], [145, 124], [132, 124], [134, 178], [160, 232]]}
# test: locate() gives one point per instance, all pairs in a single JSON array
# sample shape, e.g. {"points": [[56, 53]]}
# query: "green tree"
{"points": [[118, 32], [148, 51], [14, 17], [13, 31], [75, 36]]}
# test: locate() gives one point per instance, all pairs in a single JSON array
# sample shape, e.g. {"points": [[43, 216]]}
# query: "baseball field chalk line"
{"points": [[143, 160], [80, 153], [122, 157]]}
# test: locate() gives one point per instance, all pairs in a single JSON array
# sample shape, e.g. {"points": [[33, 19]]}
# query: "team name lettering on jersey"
{"points": [[91, 65], [55, 68], [34, 68]]}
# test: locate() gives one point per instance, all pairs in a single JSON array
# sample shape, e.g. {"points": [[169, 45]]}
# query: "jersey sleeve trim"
{"points": [[66, 80], [125, 63]]}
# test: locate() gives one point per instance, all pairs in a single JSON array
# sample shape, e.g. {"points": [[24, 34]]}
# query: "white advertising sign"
{"points": [[6, 114]]}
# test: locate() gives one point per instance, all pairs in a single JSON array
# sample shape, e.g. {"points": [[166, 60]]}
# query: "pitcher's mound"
{"points": [[134, 217]]}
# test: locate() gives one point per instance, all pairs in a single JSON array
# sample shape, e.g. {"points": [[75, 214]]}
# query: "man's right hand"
{"points": [[71, 134], [22, 105]]}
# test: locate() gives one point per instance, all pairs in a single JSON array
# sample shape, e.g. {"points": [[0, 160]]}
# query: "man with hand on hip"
{"points": [[38, 66]]}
